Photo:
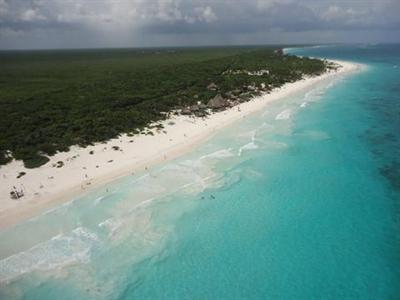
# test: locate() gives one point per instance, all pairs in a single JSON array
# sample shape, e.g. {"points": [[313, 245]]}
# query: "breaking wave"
{"points": [[284, 115], [223, 153], [248, 146], [57, 252]]}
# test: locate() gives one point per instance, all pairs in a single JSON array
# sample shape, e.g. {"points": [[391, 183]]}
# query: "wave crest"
{"points": [[57, 252]]}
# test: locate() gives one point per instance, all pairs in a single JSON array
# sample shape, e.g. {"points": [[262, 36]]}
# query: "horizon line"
{"points": [[283, 45]]}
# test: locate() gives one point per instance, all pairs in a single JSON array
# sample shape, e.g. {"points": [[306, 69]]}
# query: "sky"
{"points": [[41, 24]]}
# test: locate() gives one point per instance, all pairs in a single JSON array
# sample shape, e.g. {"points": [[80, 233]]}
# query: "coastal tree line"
{"points": [[50, 100]]}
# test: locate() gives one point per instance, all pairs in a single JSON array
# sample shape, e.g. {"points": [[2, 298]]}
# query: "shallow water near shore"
{"points": [[298, 201]]}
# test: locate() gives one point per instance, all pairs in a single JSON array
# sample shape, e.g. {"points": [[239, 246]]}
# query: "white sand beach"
{"points": [[86, 168]]}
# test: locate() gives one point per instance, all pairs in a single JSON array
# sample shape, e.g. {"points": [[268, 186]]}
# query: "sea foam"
{"points": [[304, 104], [59, 251], [248, 146], [284, 115], [223, 153]]}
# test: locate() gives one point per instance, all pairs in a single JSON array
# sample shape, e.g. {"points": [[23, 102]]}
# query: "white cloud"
{"points": [[206, 14], [31, 15], [346, 15], [3, 8], [138, 20]]}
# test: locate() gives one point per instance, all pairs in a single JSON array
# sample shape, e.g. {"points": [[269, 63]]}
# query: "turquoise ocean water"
{"points": [[298, 201]]}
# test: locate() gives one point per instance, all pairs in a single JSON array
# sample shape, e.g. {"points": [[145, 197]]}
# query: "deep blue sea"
{"points": [[298, 201]]}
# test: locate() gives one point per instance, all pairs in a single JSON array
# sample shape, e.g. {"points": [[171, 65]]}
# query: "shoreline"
{"points": [[82, 172]]}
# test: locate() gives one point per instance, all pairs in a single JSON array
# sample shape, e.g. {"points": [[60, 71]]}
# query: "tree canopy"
{"points": [[50, 100]]}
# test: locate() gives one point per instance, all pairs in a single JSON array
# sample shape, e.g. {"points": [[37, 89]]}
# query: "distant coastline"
{"points": [[84, 169]]}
